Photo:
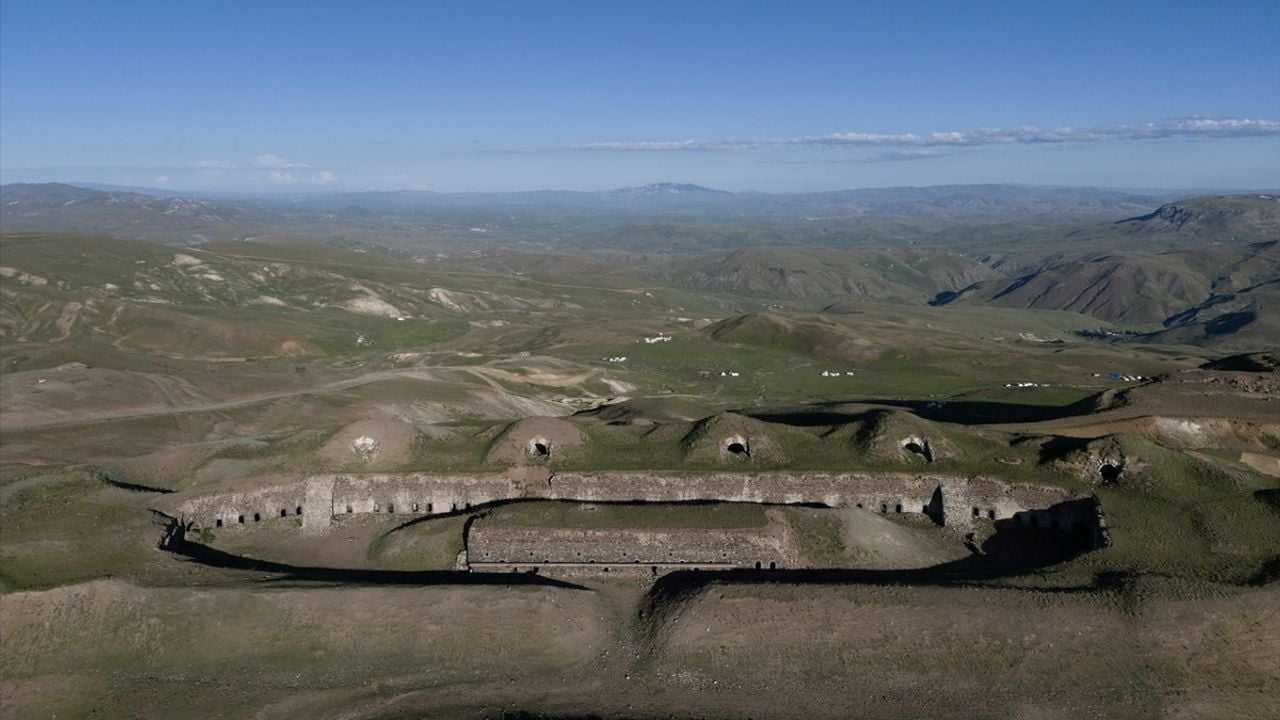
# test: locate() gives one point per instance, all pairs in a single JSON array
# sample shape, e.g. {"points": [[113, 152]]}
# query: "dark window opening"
{"points": [[240, 519], [859, 506], [453, 507], [349, 510], [737, 448], [898, 507], [976, 512], [884, 508], [466, 506], [218, 522], [391, 508], [757, 564], [297, 510], [257, 517], [991, 514], [773, 566], [924, 509], [428, 507], [284, 513]]}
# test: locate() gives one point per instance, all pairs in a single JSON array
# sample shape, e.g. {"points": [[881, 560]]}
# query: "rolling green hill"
{"points": [[906, 276]]}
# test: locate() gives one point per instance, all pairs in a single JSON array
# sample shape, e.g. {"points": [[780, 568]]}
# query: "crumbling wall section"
{"points": [[881, 492], [728, 548], [1039, 506], [419, 493], [317, 516], [250, 506]]}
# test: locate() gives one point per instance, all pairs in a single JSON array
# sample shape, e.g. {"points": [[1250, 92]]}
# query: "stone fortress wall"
{"points": [[952, 501]]}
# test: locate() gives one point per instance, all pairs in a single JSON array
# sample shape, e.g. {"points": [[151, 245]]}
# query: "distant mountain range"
{"points": [[943, 201], [663, 217]]}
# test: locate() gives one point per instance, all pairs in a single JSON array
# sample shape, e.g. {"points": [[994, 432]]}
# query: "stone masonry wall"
{"points": [[953, 500], [730, 548]]}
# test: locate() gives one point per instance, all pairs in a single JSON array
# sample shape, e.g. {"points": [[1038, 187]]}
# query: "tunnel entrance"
{"points": [[1110, 473], [540, 447], [737, 446], [919, 447]]}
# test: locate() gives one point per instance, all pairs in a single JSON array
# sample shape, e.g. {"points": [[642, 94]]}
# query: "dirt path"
{"points": [[489, 376], [9, 423]]}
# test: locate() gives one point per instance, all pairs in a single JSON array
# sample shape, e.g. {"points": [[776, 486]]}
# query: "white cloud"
{"points": [[271, 160], [283, 177], [160, 179], [908, 154], [213, 165], [1194, 127]]}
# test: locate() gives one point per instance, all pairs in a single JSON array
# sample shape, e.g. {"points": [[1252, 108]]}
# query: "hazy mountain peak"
{"points": [[668, 188]]}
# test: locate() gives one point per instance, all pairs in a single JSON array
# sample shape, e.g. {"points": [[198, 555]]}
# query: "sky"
{"points": [[277, 96]]}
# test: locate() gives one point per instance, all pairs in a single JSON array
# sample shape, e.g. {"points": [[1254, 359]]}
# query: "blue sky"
{"points": [[324, 96]]}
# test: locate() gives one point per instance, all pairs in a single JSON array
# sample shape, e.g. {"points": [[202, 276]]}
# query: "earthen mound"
{"points": [[1106, 460], [379, 438], [731, 437], [535, 439], [895, 436]]}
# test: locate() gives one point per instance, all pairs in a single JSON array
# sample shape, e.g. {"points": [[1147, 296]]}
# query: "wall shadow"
{"points": [[1013, 550], [1269, 497], [105, 477], [175, 541], [960, 412]]}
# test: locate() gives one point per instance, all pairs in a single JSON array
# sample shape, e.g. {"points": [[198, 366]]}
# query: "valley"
{"points": [[711, 475]]}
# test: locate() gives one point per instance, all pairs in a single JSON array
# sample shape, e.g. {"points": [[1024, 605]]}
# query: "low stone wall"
{"points": [[728, 548]]}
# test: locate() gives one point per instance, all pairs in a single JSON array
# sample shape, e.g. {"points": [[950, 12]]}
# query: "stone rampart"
{"points": [[954, 501]]}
